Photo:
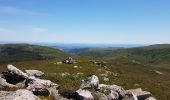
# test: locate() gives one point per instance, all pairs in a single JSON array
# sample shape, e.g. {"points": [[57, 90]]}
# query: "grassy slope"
{"points": [[23, 52], [153, 54], [131, 75]]}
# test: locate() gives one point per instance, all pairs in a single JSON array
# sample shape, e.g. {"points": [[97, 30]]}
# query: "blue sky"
{"points": [[85, 21]]}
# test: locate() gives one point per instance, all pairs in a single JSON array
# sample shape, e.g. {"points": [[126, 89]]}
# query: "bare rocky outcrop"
{"points": [[30, 83], [90, 82], [115, 92], [35, 73], [28, 86], [84, 95], [139, 93], [22, 94]]}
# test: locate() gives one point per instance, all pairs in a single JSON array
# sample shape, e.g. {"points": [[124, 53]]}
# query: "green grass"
{"points": [[130, 74], [25, 52], [154, 54]]}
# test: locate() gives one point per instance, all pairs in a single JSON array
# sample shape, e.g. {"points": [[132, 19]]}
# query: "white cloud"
{"points": [[39, 30], [19, 11]]}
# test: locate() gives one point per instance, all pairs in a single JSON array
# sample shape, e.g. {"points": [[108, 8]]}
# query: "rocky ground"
{"points": [[29, 85]]}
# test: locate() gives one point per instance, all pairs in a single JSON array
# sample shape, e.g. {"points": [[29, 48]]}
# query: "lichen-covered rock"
{"points": [[13, 75], [84, 95], [90, 82], [5, 85], [141, 95], [22, 94], [40, 86], [115, 88], [3, 94], [35, 73]]}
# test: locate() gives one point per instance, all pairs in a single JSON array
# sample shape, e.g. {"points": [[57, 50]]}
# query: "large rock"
{"points": [[13, 75], [139, 93], [115, 88], [90, 82], [5, 85], [3, 94], [84, 95], [35, 73], [40, 86], [22, 94]]}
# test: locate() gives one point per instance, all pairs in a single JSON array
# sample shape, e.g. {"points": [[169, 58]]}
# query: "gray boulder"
{"points": [[139, 93], [84, 95], [22, 94], [115, 88], [40, 86], [90, 82], [13, 75], [35, 73], [3, 94], [5, 85]]}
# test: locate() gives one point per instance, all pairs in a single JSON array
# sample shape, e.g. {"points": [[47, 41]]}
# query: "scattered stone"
{"points": [[22, 94], [108, 73], [75, 66], [84, 95], [64, 74], [141, 95], [106, 79], [35, 73], [90, 82], [59, 63], [158, 72], [69, 60]]}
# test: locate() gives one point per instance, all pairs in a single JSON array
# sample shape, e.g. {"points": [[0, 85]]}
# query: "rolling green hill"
{"points": [[24, 52], [149, 54]]}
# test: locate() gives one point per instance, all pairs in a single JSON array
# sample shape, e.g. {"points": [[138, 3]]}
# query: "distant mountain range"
{"points": [[147, 54], [152, 54]]}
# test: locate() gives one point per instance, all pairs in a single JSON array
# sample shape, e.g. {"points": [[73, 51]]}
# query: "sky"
{"points": [[85, 21]]}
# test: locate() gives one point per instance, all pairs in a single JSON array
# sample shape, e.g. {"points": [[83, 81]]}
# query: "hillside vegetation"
{"points": [[24, 52], [153, 54], [128, 74]]}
